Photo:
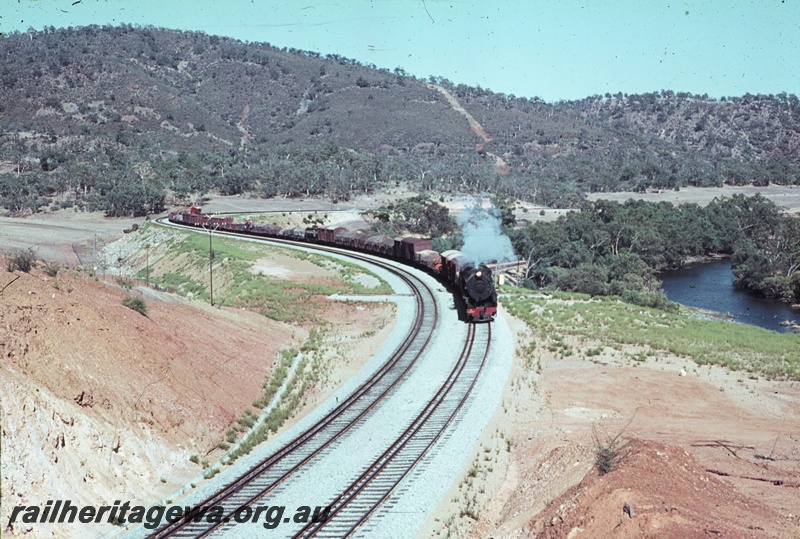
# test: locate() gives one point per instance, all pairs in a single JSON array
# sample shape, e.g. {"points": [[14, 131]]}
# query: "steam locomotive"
{"points": [[474, 282]]}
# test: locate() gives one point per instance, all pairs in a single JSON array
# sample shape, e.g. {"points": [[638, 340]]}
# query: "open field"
{"points": [[785, 196], [65, 237]]}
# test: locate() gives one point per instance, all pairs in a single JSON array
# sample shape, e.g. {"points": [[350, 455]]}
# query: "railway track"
{"points": [[272, 471], [364, 495], [358, 501]]}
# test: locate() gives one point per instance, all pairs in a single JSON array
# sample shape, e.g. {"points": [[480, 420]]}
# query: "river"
{"points": [[709, 286]]}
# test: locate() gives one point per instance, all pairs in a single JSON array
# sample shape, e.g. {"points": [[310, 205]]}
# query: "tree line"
{"points": [[618, 248]]}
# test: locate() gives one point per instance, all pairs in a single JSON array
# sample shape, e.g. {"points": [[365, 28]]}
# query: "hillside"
{"points": [[102, 403], [126, 119]]}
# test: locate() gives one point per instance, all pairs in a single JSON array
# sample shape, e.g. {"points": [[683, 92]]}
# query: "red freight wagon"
{"points": [[223, 222], [194, 219], [328, 233]]}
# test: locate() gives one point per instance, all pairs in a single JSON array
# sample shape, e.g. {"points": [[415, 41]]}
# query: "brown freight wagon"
{"points": [[328, 234], [380, 244], [430, 259], [451, 265], [351, 238], [344, 237], [266, 229], [409, 247]]}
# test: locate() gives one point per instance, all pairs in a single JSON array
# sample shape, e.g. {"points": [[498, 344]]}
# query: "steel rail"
{"points": [[379, 480], [389, 374]]}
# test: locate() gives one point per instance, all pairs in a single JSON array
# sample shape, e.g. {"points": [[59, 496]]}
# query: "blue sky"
{"points": [[553, 50]]}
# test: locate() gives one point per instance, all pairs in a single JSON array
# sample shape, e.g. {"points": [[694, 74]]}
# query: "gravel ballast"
{"points": [[330, 472]]}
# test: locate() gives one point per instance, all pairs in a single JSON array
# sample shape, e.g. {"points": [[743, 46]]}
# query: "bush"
{"points": [[655, 300], [607, 451], [51, 269], [137, 304], [22, 260], [127, 284], [589, 279]]}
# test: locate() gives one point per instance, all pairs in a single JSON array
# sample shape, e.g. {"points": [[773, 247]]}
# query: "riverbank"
{"points": [[708, 288]]}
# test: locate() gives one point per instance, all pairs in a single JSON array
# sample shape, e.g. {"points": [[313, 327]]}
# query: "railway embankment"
{"points": [[106, 403]]}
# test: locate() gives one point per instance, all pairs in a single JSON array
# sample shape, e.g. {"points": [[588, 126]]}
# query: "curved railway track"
{"points": [[364, 495], [367, 492]]}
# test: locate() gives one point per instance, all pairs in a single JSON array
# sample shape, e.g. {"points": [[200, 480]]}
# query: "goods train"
{"points": [[474, 283]]}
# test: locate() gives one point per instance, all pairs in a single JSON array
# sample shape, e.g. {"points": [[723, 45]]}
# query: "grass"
{"points": [[182, 267], [614, 323], [289, 401], [236, 285], [306, 374], [183, 285]]}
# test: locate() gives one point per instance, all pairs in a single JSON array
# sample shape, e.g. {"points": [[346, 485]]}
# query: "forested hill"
{"points": [[126, 119]]}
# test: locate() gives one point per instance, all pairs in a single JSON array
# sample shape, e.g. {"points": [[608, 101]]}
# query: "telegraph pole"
{"points": [[210, 263], [210, 268]]}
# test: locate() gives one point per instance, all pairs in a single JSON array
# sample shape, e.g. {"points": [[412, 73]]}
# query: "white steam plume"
{"points": [[484, 241]]}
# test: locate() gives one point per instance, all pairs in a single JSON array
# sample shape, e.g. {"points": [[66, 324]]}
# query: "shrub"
{"points": [[137, 304], [589, 279], [606, 453], [22, 260], [608, 449], [127, 284], [51, 269]]}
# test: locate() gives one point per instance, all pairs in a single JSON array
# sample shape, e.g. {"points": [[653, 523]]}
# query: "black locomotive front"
{"points": [[477, 287]]}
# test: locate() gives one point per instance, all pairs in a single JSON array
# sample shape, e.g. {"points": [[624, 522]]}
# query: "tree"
{"points": [[418, 214], [589, 279], [505, 205]]}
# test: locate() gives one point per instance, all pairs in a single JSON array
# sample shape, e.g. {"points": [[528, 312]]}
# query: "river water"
{"points": [[709, 286]]}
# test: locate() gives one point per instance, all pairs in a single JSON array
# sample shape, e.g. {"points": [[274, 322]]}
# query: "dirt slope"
{"points": [[710, 453], [657, 491], [476, 127], [100, 403]]}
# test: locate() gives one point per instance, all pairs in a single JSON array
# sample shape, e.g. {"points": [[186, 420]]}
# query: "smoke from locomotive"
{"points": [[484, 240]]}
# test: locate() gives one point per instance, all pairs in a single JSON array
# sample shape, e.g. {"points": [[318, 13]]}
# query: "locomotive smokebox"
{"points": [[478, 283]]}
